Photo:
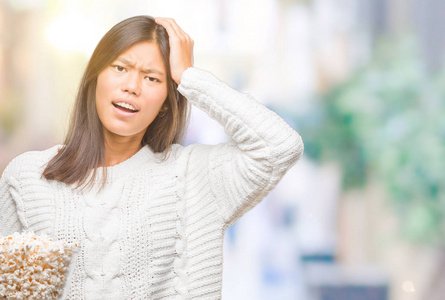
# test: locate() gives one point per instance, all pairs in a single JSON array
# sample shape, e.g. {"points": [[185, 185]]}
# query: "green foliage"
{"points": [[389, 120]]}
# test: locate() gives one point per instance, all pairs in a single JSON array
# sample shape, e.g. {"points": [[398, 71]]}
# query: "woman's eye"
{"points": [[152, 79], [119, 68]]}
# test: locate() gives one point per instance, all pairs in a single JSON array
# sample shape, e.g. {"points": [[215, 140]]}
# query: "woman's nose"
{"points": [[131, 84]]}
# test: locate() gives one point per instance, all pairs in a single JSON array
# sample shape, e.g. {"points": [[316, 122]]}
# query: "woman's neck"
{"points": [[120, 148]]}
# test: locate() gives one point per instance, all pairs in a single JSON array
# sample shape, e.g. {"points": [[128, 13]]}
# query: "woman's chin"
{"points": [[124, 134]]}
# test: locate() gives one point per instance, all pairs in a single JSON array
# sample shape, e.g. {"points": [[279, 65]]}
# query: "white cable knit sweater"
{"points": [[156, 231]]}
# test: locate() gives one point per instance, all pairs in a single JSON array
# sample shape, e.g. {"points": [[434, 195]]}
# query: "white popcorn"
{"points": [[32, 266]]}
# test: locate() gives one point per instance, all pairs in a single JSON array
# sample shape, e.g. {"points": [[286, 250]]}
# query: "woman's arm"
{"points": [[9, 219], [263, 145]]}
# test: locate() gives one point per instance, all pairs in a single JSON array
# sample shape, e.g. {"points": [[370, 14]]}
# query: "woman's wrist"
{"points": [[179, 77]]}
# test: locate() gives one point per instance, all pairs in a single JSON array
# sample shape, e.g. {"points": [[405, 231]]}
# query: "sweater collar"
{"points": [[126, 167]]}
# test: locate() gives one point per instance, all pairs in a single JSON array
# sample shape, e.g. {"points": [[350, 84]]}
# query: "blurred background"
{"points": [[361, 215]]}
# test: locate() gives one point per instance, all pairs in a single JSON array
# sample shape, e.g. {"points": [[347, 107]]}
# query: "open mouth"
{"points": [[125, 107]]}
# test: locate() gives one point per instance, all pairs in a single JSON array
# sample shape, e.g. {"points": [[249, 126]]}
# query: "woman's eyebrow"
{"points": [[132, 64]]}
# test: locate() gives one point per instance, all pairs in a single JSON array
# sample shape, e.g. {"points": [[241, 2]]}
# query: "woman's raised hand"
{"points": [[181, 48]]}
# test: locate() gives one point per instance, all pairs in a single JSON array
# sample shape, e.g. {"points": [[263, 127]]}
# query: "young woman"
{"points": [[148, 213]]}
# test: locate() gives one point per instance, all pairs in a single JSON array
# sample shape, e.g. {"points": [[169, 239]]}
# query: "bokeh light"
{"points": [[74, 32]]}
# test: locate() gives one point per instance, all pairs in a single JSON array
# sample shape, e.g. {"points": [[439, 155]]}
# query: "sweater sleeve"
{"points": [[262, 148], [9, 216]]}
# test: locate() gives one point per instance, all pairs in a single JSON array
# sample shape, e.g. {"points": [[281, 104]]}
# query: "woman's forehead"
{"points": [[146, 55]]}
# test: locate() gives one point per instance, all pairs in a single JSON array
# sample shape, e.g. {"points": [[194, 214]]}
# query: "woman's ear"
{"points": [[163, 110]]}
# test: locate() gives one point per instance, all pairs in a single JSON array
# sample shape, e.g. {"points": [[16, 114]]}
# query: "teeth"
{"points": [[126, 105]]}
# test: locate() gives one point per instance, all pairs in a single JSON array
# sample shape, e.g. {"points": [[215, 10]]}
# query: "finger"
{"points": [[176, 28], [172, 33], [170, 29]]}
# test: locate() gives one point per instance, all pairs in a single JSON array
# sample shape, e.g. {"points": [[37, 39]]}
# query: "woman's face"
{"points": [[131, 90]]}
